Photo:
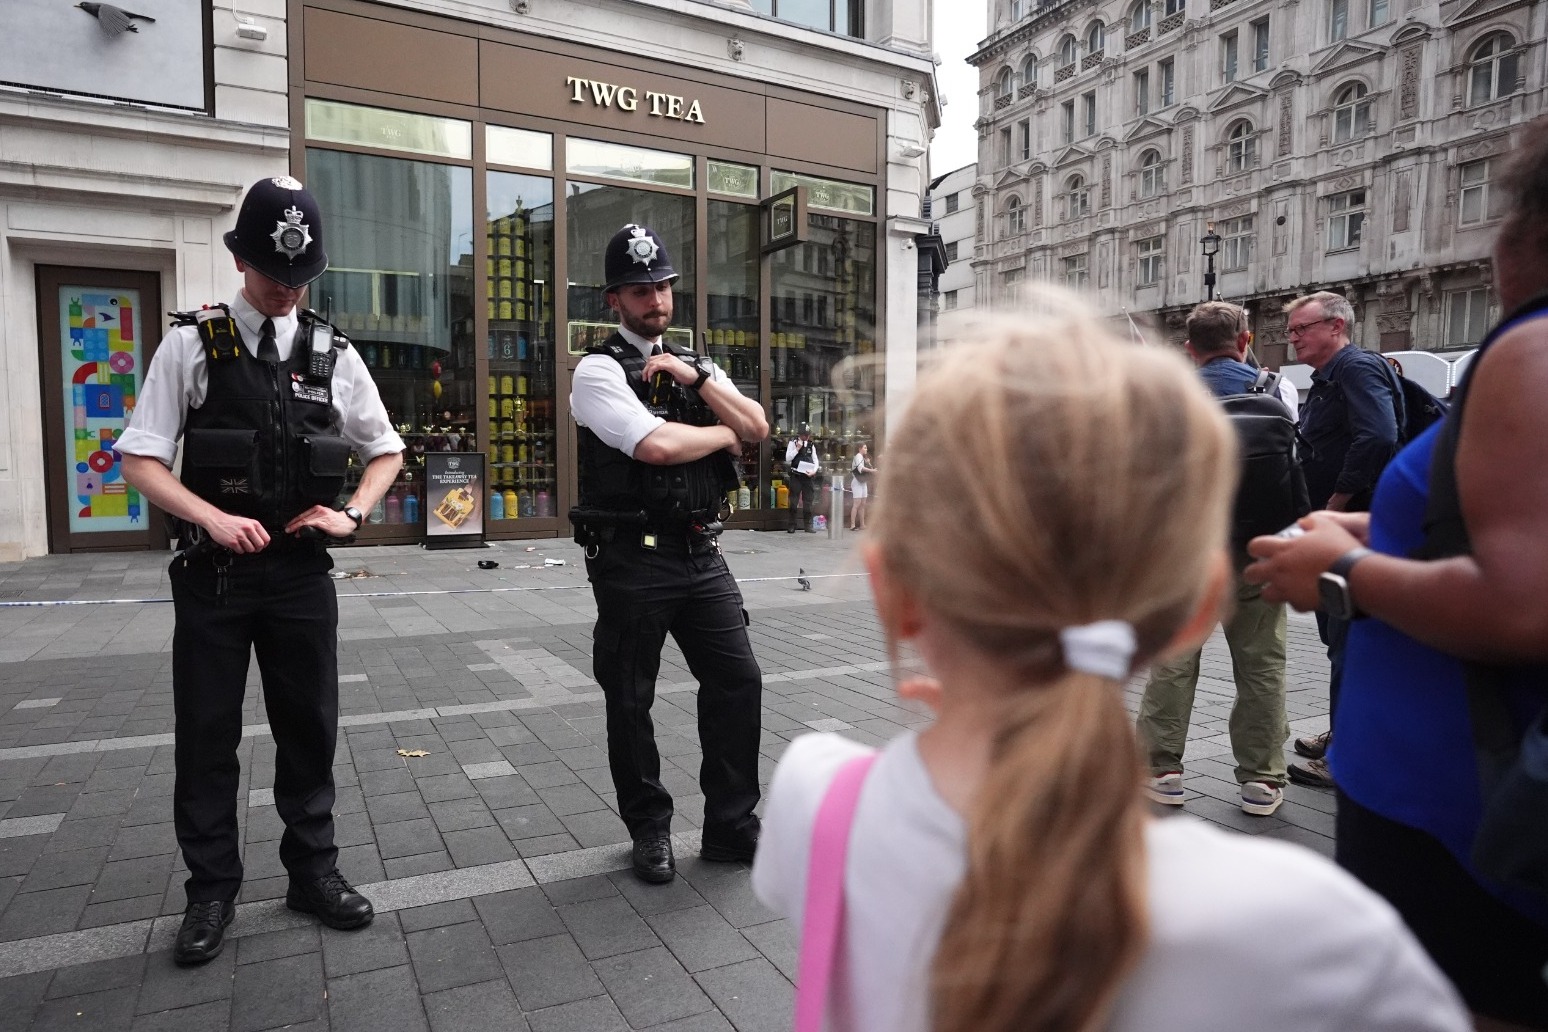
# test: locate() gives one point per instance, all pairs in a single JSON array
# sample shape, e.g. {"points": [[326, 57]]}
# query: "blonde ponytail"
{"points": [[1051, 913]]}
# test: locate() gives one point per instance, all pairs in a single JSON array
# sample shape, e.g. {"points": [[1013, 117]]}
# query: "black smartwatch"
{"points": [[1333, 586], [705, 368], [354, 514]]}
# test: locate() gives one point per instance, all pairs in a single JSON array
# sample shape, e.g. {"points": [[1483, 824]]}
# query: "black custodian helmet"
{"points": [[637, 255], [279, 232]]}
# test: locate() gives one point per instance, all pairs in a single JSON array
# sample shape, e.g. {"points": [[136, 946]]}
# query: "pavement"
{"points": [[474, 802]]}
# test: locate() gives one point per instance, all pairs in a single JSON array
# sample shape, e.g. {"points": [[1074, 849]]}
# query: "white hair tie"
{"points": [[1104, 648]]}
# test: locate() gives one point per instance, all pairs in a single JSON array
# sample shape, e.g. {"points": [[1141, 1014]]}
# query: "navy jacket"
{"points": [[1350, 425]]}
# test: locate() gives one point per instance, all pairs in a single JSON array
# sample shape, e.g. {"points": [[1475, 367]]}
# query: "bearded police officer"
{"points": [[659, 429], [268, 405]]}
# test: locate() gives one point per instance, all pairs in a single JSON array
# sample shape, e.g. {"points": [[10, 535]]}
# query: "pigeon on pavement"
{"points": [[806, 585], [114, 21]]}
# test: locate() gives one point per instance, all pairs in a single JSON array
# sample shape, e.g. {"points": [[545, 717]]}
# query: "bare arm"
{"points": [[153, 480], [672, 443], [740, 413], [379, 475], [1489, 606]]}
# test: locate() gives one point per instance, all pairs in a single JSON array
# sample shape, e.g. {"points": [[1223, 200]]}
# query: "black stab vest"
{"points": [[266, 443], [612, 482]]}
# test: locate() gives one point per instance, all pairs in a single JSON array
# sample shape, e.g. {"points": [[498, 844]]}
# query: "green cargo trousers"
{"points": [[1255, 634]]}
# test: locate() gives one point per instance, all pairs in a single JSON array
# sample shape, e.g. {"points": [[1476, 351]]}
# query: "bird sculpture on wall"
{"points": [[114, 21]]}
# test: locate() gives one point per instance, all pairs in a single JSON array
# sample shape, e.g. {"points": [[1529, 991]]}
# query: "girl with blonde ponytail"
{"points": [[1051, 518]]}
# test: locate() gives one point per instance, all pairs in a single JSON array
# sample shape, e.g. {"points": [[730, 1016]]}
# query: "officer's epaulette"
{"points": [[612, 349], [192, 318], [217, 329]]}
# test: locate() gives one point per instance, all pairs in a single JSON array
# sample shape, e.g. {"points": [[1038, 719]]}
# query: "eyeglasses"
{"points": [[1296, 331]]}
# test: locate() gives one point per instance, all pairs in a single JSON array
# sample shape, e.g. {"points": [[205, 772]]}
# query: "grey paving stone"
{"points": [[548, 972], [485, 1007], [77, 867], [399, 868], [375, 1001], [446, 786], [461, 814], [709, 1021], [727, 888], [17, 855], [517, 916], [606, 927], [110, 1011], [503, 793], [203, 1017], [478, 846], [168, 987], [596, 828], [32, 914], [404, 806], [650, 987], [378, 945], [126, 879], [436, 915], [700, 938], [271, 993], [777, 944], [578, 890], [453, 955], [571, 798], [82, 979], [406, 838], [284, 942], [594, 1015], [119, 911], [752, 995]]}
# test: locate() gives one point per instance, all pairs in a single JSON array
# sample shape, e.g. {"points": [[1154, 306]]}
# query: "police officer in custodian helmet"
{"points": [[268, 404], [659, 430]]}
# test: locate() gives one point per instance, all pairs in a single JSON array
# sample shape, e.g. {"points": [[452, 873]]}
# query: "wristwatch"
{"points": [[354, 514], [1333, 586], [706, 368]]}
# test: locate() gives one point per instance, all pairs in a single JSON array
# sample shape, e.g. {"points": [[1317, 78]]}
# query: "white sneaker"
{"points": [[1260, 798], [1165, 789]]}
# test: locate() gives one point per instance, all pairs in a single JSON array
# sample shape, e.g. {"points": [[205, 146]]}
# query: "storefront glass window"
{"points": [[731, 330], [400, 284], [831, 194], [593, 214], [724, 177], [519, 231], [824, 366], [328, 121], [521, 147], [632, 164]]}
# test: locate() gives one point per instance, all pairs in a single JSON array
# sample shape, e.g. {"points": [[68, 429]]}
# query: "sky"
{"points": [[959, 28]]}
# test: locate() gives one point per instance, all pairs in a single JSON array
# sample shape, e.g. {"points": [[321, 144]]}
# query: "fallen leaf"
{"points": [[412, 752]]}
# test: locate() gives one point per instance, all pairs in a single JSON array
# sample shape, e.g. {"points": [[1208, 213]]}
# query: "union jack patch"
{"points": [[234, 485]]}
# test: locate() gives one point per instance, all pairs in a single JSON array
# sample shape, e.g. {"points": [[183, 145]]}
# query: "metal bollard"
{"points": [[836, 512]]}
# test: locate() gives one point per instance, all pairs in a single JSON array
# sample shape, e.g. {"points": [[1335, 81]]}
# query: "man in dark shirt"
{"points": [[1350, 423]]}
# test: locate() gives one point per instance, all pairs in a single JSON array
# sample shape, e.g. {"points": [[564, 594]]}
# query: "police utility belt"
{"points": [[596, 527]]}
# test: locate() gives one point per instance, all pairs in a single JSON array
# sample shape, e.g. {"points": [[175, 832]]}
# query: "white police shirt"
{"points": [[179, 380], [602, 401]]}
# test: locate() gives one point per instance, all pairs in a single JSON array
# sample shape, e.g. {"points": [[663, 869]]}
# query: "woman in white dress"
{"points": [[861, 472]]}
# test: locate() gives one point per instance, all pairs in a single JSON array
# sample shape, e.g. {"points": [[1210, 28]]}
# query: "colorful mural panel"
{"points": [[102, 366]]}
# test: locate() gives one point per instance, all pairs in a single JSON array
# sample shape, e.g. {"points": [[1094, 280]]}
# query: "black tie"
{"points": [[268, 351], [660, 383]]}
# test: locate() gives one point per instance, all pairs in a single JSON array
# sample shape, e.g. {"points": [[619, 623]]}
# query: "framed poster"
{"points": [[455, 493]]}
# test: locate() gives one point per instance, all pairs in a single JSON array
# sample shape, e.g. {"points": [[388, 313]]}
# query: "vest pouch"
{"points": [[221, 466], [324, 462]]}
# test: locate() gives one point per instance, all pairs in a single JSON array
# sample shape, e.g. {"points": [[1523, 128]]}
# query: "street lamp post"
{"points": [[1209, 244]]}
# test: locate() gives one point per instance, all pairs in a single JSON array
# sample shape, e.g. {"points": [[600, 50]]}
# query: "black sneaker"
{"points": [[203, 934], [332, 899]]}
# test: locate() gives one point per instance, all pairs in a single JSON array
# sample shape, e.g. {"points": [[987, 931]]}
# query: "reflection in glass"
{"points": [[594, 213], [823, 365], [832, 194], [518, 295], [506, 146], [400, 284], [634, 164], [328, 121], [731, 330], [728, 178]]}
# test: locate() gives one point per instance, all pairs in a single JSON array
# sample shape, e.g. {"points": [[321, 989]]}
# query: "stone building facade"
{"points": [[1349, 145], [952, 207]]}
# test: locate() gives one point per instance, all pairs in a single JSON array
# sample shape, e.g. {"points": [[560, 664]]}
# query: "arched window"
{"points": [[1029, 71], [1005, 86], [1493, 68], [1077, 197], [1139, 16], [1066, 51], [1152, 174], [1173, 6], [1015, 217], [1241, 147], [1351, 113], [1096, 38]]}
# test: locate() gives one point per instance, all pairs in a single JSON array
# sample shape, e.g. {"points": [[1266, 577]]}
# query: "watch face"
{"points": [[1333, 596]]}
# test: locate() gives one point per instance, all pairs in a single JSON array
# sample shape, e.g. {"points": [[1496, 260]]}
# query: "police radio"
{"points": [[320, 356]]}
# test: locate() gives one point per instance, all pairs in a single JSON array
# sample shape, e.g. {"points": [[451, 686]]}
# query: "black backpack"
{"points": [[1272, 494], [1421, 409]]}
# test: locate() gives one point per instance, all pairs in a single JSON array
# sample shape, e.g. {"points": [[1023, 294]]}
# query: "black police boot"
{"points": [[653, 860], [203, 934], [731, 847], [332, 899]]}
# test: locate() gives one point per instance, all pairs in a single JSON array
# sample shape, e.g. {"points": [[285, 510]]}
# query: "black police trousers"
{"points": [[682, 588], [803, 496], [281, 605]]}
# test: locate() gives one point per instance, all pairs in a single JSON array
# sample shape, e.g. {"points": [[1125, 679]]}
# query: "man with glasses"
{"points": [[1350, 425]]}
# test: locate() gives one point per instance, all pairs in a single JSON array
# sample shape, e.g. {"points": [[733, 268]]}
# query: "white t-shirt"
{"points": [[602, 400], [1247, 935]]}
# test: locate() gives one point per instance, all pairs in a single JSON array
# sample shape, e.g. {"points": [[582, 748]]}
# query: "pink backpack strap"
{"points": [[823, 918]]}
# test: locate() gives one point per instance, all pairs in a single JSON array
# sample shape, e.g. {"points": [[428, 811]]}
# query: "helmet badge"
{"points": [[286, 182], [641, 247], [292, 237]]}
